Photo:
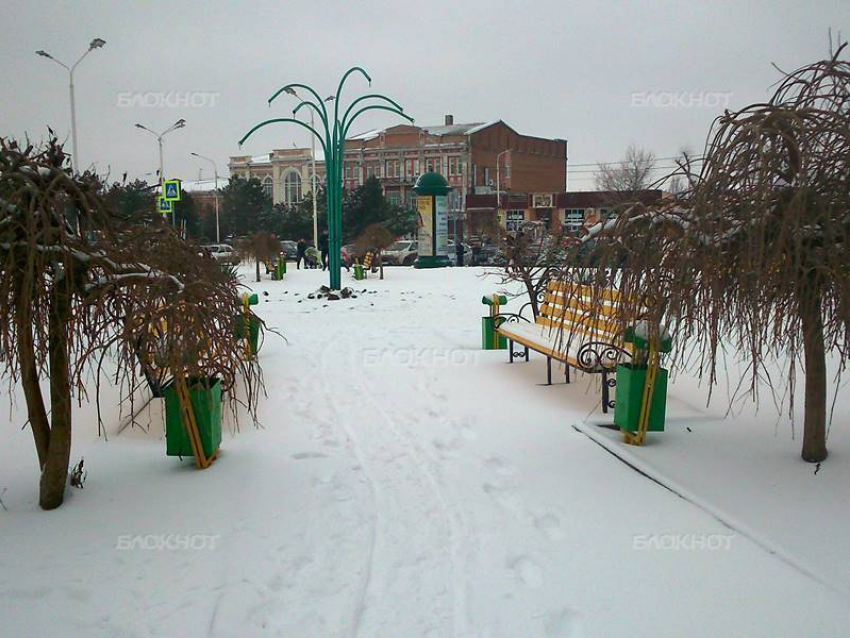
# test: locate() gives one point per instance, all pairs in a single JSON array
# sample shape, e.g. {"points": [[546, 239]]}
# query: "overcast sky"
{"points": [[600, 74]]}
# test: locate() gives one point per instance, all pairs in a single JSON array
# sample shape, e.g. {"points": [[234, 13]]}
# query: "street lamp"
{"points": [[97, 43], [498, 180], [333, 145], [177, 125], [215, 168]]}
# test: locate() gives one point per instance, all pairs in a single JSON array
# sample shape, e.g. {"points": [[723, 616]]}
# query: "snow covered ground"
{"points": [[405, 483]]}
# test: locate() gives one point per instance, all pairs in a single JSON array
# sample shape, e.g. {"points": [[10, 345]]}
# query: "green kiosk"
{"points": [[432, 205]]}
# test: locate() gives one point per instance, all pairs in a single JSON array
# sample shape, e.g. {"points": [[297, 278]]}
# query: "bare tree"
{"points": [[78, 281], [262, 247], [628, 176], [753, 257]]}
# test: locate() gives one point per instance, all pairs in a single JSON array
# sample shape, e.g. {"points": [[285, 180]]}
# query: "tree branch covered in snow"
{"points": [[78, 280]]}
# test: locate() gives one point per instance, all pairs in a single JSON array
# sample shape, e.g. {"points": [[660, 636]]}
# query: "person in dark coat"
{"points": [[302, 253], [323, 248], [459, 251]]}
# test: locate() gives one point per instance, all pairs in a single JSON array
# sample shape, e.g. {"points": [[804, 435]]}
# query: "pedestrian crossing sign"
{"points": [[165, 206], [171, 190]]}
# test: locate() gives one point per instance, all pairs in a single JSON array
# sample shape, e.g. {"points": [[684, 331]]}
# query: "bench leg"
{"points": [[526, 353], [510, 351], [548, 370], [567, 366], [607, 384]]}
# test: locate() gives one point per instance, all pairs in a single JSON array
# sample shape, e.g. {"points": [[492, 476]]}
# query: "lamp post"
{"points": [[333, 146], [215, 168], [177, 125], [97, 43], [498, 181]]}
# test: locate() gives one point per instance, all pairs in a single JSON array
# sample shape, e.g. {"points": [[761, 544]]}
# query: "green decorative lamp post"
{"points": [[432, 205], [332, 139]]}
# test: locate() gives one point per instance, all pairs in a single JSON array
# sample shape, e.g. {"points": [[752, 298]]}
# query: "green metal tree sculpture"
{"points": [[333, 146]]}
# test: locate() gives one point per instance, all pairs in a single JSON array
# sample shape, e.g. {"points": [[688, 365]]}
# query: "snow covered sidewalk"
{"points": [[406, 483]]}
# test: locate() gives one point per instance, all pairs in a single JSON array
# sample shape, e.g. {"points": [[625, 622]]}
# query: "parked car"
{"points": [[401, 253], [222, 253], [290, 249]]}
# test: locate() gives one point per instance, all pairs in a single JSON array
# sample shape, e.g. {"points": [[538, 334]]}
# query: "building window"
{"points": [[606, 213], [573, 219], [268, 186], [392, 198], [514, 220], [292, 188], [486, 176]]}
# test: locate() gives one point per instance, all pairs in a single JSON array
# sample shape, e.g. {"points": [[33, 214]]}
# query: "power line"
{"points": [[620, 161]]}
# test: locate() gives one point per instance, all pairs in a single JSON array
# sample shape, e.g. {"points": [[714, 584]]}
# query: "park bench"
{"points": [[573, 330]]}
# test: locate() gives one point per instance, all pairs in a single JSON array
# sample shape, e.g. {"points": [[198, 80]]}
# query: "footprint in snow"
{"points": [[527, 571], [550, 525], [499, 466], [562, 623], [308, 455]]}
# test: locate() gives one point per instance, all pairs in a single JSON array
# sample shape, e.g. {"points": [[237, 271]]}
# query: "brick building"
{"points": [[468, 155], [559, 211]]}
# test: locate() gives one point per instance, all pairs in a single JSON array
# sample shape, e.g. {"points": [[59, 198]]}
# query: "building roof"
{"points": [[435, 129]]}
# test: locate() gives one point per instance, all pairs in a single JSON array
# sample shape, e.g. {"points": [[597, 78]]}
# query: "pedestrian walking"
{"points": [[302, 253], [459, 251], [323, 247]]}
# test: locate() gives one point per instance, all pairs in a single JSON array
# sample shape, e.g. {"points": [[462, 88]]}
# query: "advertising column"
{"points": [[432, 205]]}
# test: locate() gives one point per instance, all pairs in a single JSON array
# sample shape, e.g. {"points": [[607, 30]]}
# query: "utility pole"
{"points": [[215, 169], [177, 125]]}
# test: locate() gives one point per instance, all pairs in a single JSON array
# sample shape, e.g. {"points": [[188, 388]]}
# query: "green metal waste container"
{"points": [[205, 396]]}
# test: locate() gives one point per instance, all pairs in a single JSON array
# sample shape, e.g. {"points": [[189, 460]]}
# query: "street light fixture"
{"points": [[177, 125], [97, 43], [215, 168]]}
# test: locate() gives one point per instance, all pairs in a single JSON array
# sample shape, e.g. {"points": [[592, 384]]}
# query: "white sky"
{"points": [[574, 70]]}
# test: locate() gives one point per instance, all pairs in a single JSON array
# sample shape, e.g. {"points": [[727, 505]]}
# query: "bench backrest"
{"points": [[367, 260], [581, 314]]}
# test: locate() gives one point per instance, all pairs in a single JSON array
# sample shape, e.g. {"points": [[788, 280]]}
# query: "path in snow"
{"points": [[403, 483]]}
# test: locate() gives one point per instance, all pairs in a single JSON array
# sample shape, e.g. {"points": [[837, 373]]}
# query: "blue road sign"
{"points": [[171, 190]]}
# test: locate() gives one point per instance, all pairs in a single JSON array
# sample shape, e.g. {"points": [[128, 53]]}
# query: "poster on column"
{"points": [[424, 206], [441, 228]]}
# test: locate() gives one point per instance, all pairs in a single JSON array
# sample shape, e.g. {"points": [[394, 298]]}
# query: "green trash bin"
{"points": [[631, 379], [491, 340], [629, 395], [205, 395], [253, 332], [359, 272]]}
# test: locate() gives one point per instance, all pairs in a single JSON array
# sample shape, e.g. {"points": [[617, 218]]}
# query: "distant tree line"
{"points": [[245, 208]]}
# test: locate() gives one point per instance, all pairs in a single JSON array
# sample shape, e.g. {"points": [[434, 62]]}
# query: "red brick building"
{"points": [[475, 158]]}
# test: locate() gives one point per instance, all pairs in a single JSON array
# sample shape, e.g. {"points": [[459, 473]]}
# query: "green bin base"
{"points": [[629, 394], [487, 339], [205, 395], [254, 333]]}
